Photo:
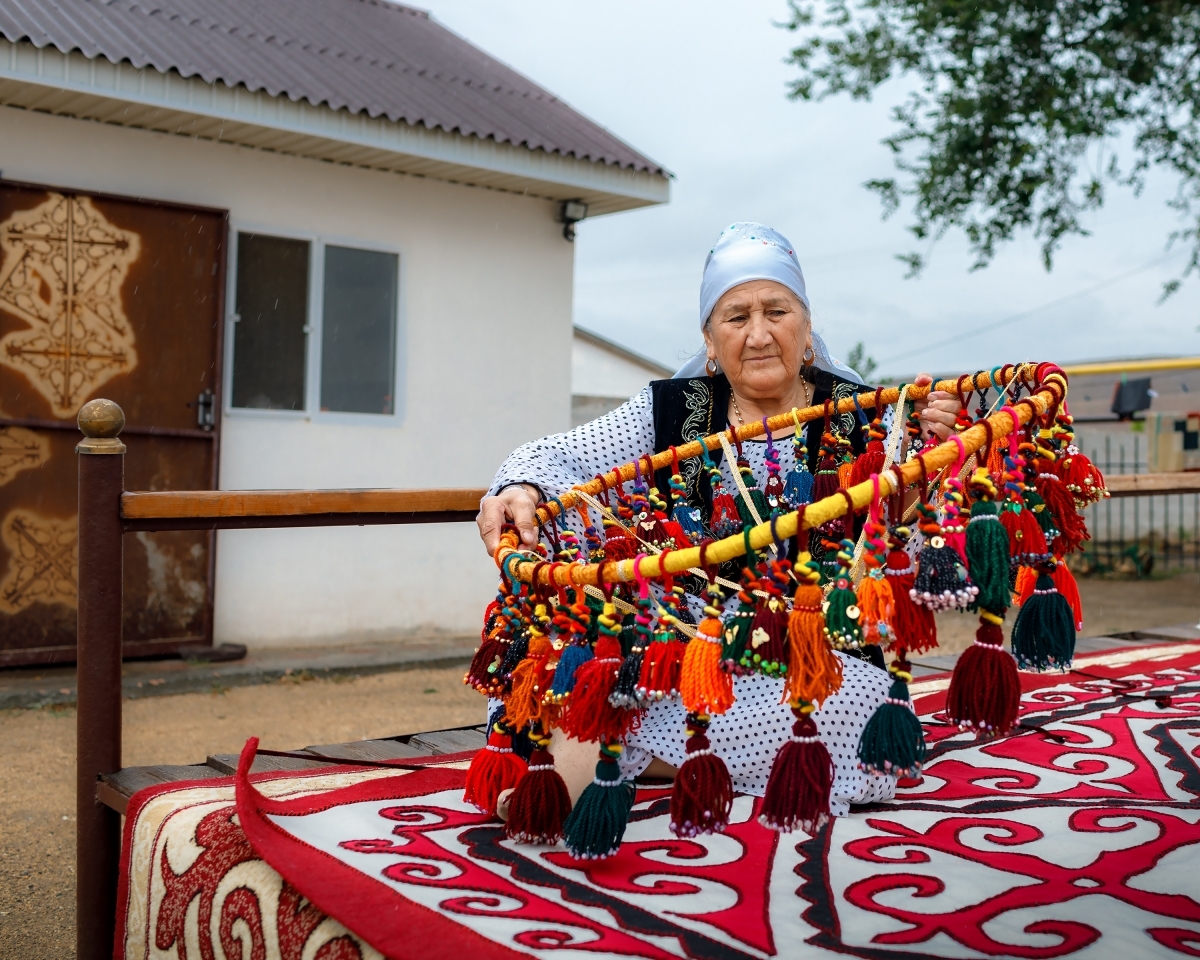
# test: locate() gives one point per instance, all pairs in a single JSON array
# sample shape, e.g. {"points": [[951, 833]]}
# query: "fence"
{"points": [[1139, 533]]}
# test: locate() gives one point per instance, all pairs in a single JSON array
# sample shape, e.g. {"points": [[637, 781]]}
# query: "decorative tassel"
{"points": [[1072, 529], [1064, 582], [845, 471], [814, 670], [987, 547], [703, 686], [596, 826], [573, 657], [1026, 540], [985, 690], [493, 770], [915, 626], [540, 804], [892, 742], [801, 779], [702, 795], [756, 496], [737, 627], [1043, 636], [618, 545], [588, 714], [871, 460], [767, 651], [954, 532], [941, 582], [825, 483], [532, 677], [663, 658], [877, 608], [842, 614], [625, 692]]}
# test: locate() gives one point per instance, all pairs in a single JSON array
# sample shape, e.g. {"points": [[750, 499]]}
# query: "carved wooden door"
{"points": [[118, 298]]}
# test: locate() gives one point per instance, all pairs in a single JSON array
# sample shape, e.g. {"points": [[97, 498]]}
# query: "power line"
{"points": [[1026, 314]]}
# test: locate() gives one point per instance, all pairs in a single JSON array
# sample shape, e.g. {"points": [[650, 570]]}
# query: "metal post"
{"points": [[98, 724]]}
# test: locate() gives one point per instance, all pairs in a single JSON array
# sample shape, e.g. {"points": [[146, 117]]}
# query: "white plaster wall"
{"points": [[486, 308], [597, 372]]}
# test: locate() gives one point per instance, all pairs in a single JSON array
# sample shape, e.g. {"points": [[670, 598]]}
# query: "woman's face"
{"points": [[758, 334]]}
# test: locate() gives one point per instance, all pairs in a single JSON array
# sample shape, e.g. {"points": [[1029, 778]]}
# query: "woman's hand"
{"points": [[938, 411], [516, 504]]}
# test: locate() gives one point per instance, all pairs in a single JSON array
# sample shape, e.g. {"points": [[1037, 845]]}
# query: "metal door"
{"points": [[105, 297]]}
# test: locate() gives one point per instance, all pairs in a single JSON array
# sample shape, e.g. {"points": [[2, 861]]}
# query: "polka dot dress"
{"points": [[750, 734]]}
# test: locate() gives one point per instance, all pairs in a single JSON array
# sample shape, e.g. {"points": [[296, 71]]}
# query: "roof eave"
{"points": [[70, 84]]}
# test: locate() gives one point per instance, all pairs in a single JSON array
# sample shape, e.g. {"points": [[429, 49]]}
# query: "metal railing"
{"points": [[1147, 526]]}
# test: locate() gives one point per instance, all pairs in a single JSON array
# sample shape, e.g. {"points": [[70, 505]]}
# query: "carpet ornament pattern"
{"points": [[1077, 837]]}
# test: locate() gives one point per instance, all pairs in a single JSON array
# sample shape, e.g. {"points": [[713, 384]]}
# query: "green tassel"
{"points": [[759, 499], [1043, 637], [597, 823], [736, 639], [842, 616], [1035, 503], [987, 556], [893, 742]]}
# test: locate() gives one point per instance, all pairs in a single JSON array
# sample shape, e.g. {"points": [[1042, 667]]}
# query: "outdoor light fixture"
{"points": [[570, 212], [1131, 396]]}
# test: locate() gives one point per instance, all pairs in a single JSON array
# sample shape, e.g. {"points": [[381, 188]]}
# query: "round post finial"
{"points": [[101, 422]]}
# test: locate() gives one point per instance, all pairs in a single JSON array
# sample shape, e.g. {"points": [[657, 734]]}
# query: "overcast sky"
{"points": [[700, 86]]}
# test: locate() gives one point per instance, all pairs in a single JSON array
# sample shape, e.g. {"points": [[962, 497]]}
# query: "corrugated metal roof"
{"points": [[363, 56]]}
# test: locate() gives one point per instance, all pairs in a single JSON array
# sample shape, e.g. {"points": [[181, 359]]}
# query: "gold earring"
{"points": [[809, 355], [710, 367]]}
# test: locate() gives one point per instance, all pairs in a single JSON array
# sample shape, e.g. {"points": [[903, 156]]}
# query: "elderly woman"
{"points": [[761, 358]]}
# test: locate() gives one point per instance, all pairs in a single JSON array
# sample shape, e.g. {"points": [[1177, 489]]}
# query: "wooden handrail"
{"points": [[1142, 484], [197, 504]]}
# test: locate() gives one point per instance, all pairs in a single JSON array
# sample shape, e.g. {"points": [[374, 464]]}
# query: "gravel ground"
{"points": [[37, 831]]}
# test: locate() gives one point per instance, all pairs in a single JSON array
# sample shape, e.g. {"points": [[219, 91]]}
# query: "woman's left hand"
{"points": [[938, 412]]}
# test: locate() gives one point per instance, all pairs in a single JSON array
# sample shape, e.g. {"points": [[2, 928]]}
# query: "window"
{"points": [[271, 322], [358, 337], [351, 316]]}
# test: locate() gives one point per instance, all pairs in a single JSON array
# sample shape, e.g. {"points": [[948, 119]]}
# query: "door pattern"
{"points": [[62, 271], [43, 558]]}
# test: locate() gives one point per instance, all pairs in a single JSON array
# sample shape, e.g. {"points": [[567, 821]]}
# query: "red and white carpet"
{"points": [[1080, 838]]}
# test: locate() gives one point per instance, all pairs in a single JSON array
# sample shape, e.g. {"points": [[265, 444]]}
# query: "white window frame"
{"points": [[313, 330]]}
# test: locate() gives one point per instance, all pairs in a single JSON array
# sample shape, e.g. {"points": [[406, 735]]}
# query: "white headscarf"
{"points": [[752, 251]]}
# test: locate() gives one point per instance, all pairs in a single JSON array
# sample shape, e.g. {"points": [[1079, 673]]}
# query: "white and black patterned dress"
{"points": [[750, 734]]}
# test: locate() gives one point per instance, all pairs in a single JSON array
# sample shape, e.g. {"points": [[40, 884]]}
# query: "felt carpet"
{"points": [[1077, 837]]}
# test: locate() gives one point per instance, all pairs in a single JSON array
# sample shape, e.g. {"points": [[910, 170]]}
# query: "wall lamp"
{"points": [[570, 212]]}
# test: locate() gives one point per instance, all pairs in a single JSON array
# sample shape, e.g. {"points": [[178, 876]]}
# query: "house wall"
{"points": [[597, 372], [485, 329]]}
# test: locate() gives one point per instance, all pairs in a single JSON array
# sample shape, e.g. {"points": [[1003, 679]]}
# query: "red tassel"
{"points": [[493, 770], [540, 804], [1026, 540], [916, 627], [1082, 478], [725, 514], [801, 780], [588, 715], [1072, 529], [985, 690], [1064, 583], [702, 794], [662, 664]]}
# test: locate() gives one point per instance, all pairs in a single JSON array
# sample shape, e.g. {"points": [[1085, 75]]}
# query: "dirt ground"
{"points": [[37, 830]]}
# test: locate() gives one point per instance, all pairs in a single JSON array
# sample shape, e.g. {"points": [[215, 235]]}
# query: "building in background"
{"points": [[605, 374], [304, 244]]}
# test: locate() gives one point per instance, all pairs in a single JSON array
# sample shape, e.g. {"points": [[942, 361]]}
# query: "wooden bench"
{"points": [[115, 789]]}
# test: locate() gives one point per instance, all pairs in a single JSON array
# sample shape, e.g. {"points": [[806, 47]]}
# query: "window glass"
{"points": [[269, 336], [358, 338]]}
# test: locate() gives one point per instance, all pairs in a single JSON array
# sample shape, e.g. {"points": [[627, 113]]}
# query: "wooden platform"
{"points": [[115, 789]]}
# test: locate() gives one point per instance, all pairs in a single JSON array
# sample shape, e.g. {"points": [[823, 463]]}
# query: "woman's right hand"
{"points": [[517, 505]]}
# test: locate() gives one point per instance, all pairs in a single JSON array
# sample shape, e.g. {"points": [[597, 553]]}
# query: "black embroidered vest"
{"points": [[688, 408]]}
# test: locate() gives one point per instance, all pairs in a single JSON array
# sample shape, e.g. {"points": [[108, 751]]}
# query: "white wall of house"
{"points": [[485, 332], [597, 371]]}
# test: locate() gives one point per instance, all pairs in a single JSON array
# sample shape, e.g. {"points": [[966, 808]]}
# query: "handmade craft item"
{"points": [[561, 657]]}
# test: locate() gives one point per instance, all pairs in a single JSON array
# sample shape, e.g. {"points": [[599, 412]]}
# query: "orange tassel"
{"points": [[878, 610], [703, 686], [845, 472], [814, 670], [1064, 583], [1026, 579], [531, 678]]}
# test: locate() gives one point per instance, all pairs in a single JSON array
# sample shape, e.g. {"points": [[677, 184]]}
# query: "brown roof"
{"points": [[363, 56]]}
